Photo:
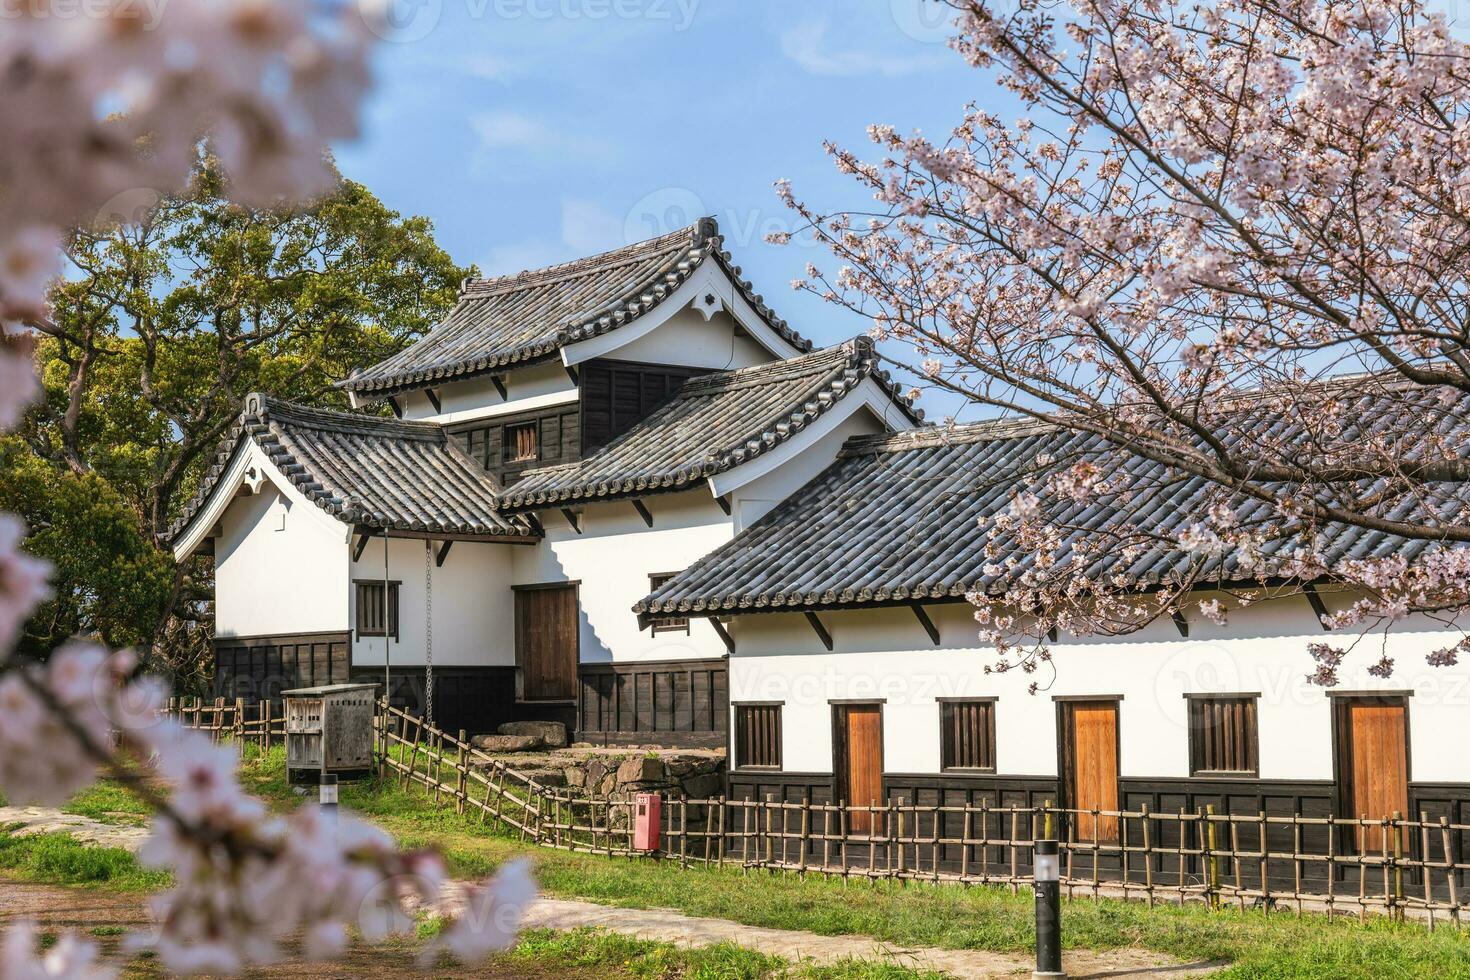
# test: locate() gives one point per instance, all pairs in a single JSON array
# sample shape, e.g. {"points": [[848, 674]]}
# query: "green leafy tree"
{"points": [[169, 318]]}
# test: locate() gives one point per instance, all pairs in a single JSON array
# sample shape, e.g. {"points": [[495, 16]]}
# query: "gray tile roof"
{"points": [[523, 318], [405, 476], [715, 423], [903, 517]]}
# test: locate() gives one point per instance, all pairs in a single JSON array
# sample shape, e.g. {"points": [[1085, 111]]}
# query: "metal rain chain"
{"points": [[429, 632]]}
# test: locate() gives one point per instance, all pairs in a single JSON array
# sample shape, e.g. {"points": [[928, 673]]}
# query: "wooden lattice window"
{"points": [[1222, 735], [370, 608], [521, 443], [967, 735], [758, 736], [671, 624]]}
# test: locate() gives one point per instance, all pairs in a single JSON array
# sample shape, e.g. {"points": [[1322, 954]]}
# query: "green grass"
{"points": [[609, 953], [949, 916], [107, 802], [60, 859]]}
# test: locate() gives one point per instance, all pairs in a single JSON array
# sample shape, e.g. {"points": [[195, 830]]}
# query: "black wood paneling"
{"points": [[559, 436], [476, 699], [261, 667], [665, 702], [616, 395]]}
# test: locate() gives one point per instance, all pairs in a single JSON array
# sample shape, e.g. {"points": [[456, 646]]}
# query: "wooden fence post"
{"points": [[1212, 880], [463, 771]]}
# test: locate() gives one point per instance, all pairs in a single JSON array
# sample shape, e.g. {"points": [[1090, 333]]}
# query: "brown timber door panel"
{"points": [[1375, 767], [546, 642], [858, 761], [1091, 746]]}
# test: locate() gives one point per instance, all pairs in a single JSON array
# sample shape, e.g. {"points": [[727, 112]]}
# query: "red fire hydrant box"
{"points": [[647, 811]]}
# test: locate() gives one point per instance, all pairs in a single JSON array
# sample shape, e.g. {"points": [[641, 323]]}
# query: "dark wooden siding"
{"points": [[666, 702], [476, 699], [616, 395], [261, 667], [559, 437]]}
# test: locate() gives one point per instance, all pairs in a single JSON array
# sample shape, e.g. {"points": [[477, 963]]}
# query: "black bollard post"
{"points": [[1047, 869]]}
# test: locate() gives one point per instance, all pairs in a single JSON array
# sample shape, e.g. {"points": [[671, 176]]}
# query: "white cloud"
{"points": [[492, 68], [807, 44], [587, 227], [500, 129]]}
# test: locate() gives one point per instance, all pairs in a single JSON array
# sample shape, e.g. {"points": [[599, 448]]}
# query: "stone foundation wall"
{"points": [[674, 774]]}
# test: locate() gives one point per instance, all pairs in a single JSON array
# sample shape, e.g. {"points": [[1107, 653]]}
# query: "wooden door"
{"points": [[1090, 751], [546, 642], [858, 760], [1373, 765]]}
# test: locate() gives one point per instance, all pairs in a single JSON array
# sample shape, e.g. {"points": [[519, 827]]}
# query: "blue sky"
{"points": [[534, 131]]}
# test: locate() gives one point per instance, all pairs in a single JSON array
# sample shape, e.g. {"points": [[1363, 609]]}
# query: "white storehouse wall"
{"points": [[280, 561], [885, 654], [474, 619], [612, 560]]}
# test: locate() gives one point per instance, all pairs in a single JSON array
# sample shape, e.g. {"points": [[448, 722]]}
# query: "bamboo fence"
{"points": [[1403, 868]]}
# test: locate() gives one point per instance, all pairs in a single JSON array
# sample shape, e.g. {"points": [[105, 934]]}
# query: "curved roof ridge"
{"points": [[512, 320], [955, 434], [613, 258], [361, 469]]}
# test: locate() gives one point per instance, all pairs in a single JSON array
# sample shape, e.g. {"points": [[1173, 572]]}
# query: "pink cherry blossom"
{"points": [[1226, 238]]}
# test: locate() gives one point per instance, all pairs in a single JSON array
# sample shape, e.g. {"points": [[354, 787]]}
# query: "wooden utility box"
{"points": [[329, 730]]}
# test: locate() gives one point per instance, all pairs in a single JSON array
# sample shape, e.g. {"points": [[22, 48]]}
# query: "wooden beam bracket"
{"points": [[434, 399], [643, 511], [725, 636], [442, 554], [1318, 606], [499, 384], [819, 629], [724, 503], [362, 540], [571, 517], [924, 621], [572, 373], [397, 408], [1180, 623]]}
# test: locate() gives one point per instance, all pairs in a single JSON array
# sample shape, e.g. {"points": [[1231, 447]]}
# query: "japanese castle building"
{"points": [[622, 493]]}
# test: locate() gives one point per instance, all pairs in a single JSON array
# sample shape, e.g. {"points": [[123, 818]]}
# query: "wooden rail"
{"points": [[1391, 865]]}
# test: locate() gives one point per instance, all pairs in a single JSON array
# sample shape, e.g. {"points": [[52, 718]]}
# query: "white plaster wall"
{"points": [[885, 654], [473, 617], [753, 500], [280, 563], [612, 560], [526, 388], [687, 339]]}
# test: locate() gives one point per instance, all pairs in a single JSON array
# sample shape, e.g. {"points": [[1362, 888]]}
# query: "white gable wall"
{"points": [[885, 654], [474, 620], [526, 388], [797, 463], [612, 560], [687, 339], [280, 561]]}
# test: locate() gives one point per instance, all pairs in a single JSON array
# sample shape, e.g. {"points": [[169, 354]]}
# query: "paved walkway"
{"points": [[27, 820], [670, 926]]}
